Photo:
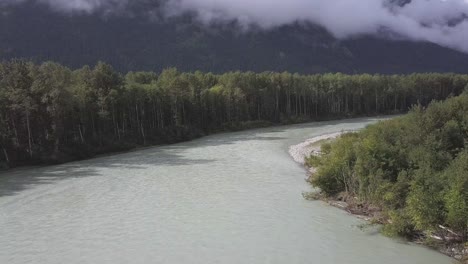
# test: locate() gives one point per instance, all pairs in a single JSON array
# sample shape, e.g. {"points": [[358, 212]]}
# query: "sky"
{"points": [[444, 22]]}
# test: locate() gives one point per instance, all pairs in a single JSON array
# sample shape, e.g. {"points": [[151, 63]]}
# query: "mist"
{"points": [[444, 22]]}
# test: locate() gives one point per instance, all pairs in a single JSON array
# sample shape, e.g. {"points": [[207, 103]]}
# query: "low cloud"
{"points": [[444, 22]]}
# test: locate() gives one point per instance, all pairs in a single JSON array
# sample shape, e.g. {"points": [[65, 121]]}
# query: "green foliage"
{"points": [[334, 174], [456, 197], [401, 224], [415, 167], [51, 113], [425, 201]]}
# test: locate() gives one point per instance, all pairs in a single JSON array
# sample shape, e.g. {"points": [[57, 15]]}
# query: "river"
{"points": [[225, 198]]}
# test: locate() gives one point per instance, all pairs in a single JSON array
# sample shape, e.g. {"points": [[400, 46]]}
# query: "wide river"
{"points": [[226, 198]]}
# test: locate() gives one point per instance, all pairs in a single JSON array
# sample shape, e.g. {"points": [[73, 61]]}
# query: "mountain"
{"points": [[134, 42]]}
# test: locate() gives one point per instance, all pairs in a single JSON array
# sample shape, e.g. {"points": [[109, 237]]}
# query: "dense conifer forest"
{"points": [[50, 113], [414, 168]]}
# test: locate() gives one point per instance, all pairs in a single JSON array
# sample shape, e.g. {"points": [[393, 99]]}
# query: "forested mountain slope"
{"points": [[136, 42]]}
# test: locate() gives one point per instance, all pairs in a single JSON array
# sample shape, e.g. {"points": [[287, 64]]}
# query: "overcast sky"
{"points": [[444, 22]]}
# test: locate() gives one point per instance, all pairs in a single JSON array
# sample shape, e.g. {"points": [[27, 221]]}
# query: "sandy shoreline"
{"points": [[302, 150]]}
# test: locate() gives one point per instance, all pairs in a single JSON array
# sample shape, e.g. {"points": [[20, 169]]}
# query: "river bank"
{"points": [[172, 135], [225, 198], [363, 210]]}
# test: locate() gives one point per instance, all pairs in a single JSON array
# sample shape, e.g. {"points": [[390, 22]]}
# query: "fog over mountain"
{"points": [[387, 36], [439, 21], [428, 20]]}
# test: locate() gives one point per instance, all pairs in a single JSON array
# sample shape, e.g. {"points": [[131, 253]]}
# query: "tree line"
{"points": [[415, 168], [50, 113]]}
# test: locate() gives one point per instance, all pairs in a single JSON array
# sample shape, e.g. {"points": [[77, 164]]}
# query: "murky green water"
{"points": [[227, 198]]}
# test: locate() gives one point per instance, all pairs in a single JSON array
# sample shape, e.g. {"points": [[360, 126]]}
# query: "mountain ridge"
{"points": [[131, 43]]}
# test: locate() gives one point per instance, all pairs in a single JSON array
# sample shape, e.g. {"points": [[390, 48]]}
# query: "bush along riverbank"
{"points": [[409, 174]]}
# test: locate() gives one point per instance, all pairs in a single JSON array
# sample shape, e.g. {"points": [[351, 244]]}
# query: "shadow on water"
{"points": [[14, 181]]}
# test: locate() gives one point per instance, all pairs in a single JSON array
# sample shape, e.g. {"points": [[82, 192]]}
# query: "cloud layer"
{"points": [[444, 22]]}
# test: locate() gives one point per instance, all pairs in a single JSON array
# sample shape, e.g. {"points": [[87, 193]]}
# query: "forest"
{"points": [[414, 168], [50, 113]]}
